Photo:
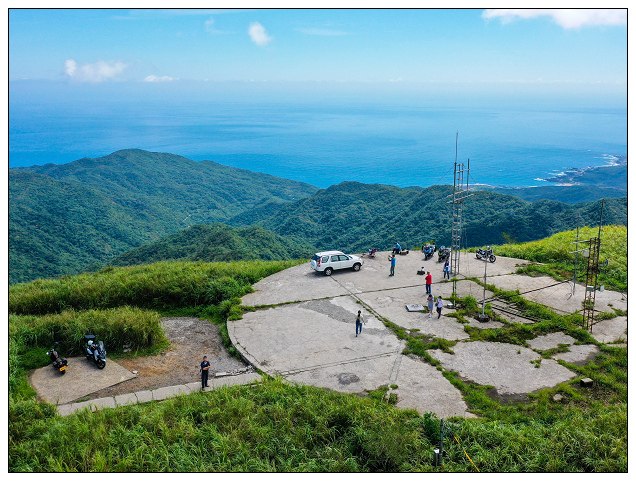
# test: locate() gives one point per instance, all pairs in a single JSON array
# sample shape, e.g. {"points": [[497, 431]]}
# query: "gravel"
{"points": [[190, 339]]}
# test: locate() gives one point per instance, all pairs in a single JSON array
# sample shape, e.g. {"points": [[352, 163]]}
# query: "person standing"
{"points": [[431, 305], [392, 259], [429, 281], [359, 320], [446, 269], [439, 304], [205, 370]]}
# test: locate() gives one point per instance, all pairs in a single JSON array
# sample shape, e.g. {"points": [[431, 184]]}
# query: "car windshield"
{"points": [[315, 257]]}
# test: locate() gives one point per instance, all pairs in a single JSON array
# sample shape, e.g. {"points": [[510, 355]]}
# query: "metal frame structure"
{"points": [[460, 193], [591, 283]]}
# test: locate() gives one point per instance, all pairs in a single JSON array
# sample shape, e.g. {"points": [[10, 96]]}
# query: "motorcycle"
{"points": [[95, 351], [485, 254], [370, 253], [428, 251], [59, 363], [443, 253]]}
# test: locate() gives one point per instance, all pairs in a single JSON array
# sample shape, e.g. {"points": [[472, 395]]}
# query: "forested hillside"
{"points": [[354, 217], [217, 242], [67, 218]]}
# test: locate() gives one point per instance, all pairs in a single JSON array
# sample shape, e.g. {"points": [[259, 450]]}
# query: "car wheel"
{"points": [[328, 271], [356, 267]]}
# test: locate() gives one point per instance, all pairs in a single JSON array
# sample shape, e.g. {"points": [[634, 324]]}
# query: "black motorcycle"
{"points": [[428, 251], [486, 254], [59, 363], [443, 253], [95, 351]]}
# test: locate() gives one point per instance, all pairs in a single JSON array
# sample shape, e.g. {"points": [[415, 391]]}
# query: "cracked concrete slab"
{"points": [[550, 341], [559, 296], [578, 354], [82, 377], [299, 283], [610, 330], [424, 388], [506, 367]]}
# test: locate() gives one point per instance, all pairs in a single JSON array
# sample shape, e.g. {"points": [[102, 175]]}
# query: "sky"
{"points": [[581, 51]]}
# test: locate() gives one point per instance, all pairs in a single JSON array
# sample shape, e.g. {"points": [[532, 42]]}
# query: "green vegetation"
{"points": [[556, 252], [66, 219], [217, 243], [354, 217], [164, 285], [70, 218], [276, 426]]}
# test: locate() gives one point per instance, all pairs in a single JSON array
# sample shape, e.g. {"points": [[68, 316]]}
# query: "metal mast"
{"points": [[460, 192], [591, 279]]}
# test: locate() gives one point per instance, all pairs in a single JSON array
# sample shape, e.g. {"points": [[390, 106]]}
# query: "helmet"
{"points": [[90, 343]]}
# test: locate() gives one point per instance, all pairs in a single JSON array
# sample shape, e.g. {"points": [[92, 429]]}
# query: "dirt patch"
{"points": [[190, 339]]}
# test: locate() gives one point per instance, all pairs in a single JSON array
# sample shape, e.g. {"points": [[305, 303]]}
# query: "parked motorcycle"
{"points": [[370, 253], [428, 251], [59, 363], [486, 254], [443, 253], [95, 351]]}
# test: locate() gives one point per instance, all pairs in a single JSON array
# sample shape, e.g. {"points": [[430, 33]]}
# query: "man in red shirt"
{"points": [[429, 281]]}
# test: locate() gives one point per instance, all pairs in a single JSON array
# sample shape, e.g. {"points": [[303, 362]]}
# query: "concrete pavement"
{"points": [[307, 331]]}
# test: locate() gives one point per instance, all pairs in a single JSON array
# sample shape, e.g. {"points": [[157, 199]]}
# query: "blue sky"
{"points": [[554, 50]]}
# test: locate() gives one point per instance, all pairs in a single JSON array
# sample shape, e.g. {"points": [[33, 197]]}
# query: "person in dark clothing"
{"points": [[359, 320], [205, 370]]}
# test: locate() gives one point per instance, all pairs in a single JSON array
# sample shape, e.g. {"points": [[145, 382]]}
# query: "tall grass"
{"points": [[557, 251], [162, 285], [31, 336]]}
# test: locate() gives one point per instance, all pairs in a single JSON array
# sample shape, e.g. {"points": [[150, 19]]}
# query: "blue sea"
{"points": [[325, 143]]}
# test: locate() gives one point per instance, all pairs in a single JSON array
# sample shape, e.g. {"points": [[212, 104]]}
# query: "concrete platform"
{"points": [[307, 334], [155, 394], [82, 378], [558, 297], [506, 367], [610, 330]]}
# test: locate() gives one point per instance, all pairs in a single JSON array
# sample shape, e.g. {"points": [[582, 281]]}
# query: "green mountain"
{"points": [[353, 217], [67, 218], [217, 242]]}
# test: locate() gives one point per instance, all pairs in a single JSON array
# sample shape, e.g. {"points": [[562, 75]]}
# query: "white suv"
{"points": [[329, 261]]}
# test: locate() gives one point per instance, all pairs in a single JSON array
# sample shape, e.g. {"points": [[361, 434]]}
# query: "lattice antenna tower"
{"points": [[460, 193], [591, 279]]}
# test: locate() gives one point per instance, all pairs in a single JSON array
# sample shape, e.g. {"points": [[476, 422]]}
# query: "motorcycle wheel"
{"points": [[101, 364], [492, 258]]}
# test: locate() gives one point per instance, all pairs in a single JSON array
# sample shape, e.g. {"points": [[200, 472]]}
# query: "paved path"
{"points": [[303, 330], [156, 394]]}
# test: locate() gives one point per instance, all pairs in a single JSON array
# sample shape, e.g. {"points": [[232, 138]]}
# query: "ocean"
{"points": [[327, 143]]}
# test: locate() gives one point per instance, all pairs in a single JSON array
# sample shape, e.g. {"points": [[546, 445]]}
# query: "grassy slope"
{"points": [[556, 251], [278, 427]]}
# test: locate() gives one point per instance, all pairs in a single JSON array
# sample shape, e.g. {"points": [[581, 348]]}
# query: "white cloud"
{"points": [[99, 71], [566, 18], [259, 35], [325, 32], [165, 78]]}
